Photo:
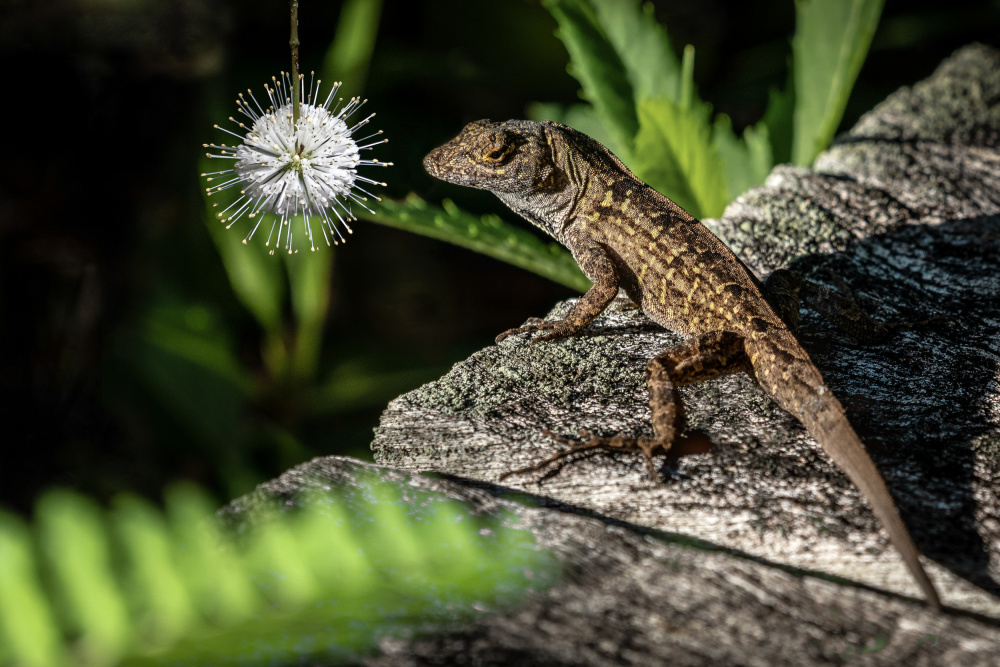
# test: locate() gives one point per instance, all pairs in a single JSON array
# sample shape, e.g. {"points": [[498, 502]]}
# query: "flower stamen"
{"points": [[295, 170]]}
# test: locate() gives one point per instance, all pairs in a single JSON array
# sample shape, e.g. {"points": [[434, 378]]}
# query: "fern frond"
{"points": [[135, 585]]}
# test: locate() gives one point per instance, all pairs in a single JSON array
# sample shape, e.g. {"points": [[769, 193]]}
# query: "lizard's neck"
{"points": [[563, 183], [548, 211]]}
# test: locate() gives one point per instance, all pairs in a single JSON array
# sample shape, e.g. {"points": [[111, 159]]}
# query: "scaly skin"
{"points": [[625, 235]]}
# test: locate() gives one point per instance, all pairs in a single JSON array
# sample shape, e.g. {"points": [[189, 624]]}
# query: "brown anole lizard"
{"points": [[627, 236]]}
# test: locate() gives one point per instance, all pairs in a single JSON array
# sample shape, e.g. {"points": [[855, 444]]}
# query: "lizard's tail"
{"points": [[842, 444], [799, 388]]}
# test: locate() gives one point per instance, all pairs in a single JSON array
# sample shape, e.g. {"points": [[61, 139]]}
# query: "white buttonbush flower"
{"points": [[283, 169]]}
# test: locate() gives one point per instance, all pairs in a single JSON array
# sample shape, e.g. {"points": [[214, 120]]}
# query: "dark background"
{"points": [[106, 105]]}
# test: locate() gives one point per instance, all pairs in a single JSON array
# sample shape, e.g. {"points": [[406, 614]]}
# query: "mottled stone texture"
{"points": [[906, 209]]}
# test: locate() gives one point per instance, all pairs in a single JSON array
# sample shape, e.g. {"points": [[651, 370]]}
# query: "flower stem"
{"points": [[294, 43]]}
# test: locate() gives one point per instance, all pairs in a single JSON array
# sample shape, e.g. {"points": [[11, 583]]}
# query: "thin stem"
{"points": [[294, 43]]}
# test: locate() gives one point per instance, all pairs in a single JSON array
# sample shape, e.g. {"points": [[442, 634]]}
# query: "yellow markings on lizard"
{"points": [[670, 273], [652, 245], [663, 291], [609, 198]]}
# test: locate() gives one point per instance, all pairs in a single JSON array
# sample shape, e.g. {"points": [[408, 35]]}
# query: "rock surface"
{"points": [[759, 551]]}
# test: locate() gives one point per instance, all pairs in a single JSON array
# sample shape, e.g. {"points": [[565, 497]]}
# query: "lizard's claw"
{"points": [[534, 324]]}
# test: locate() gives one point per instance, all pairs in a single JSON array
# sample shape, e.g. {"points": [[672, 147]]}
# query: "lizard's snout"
{"points": [[432, 163]]}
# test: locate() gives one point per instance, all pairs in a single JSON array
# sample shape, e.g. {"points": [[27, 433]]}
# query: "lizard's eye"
{"points": [[499, 153]]}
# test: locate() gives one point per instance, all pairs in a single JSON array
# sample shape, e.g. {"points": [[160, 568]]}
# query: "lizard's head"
{"points": [[501, 157], [514, 160]]}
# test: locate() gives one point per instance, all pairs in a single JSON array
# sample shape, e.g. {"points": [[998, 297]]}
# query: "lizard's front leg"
{"points": [[697, 359], [598, 267]]}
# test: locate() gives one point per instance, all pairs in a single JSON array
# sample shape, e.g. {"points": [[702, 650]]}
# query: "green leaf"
{"points": [[597, 66], [256, 278], [74, 538], [678, 158], [194, 333], [643, 47], [778, 119], [309, 277], [161, 604], [488, 235], [831, 41], [213, 576], [746, 162], [578, 116], [28, 630], [350, 52]]}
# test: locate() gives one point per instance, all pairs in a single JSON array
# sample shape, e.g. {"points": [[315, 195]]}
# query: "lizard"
{"points": [[627, 236]]}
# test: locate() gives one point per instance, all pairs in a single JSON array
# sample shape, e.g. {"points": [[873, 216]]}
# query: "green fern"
{"points": [[137, 586], [648, 110]]}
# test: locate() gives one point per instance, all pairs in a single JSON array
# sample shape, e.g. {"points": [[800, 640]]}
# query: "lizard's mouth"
{"points": [[431, 162], [449, 166]]}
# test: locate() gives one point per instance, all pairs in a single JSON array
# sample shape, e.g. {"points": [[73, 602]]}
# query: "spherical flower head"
{"points": [[285, 168]]}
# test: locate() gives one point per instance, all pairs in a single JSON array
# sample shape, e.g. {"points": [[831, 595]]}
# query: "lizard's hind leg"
{"points": [[697, 359]]}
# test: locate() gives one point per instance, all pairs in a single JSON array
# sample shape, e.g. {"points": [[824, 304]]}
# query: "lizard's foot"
{"points": [[588, 442], [557, 330], [534, 324]]}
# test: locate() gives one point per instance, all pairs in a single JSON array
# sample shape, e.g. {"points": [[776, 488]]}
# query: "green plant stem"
{"points": [[293, 42]]}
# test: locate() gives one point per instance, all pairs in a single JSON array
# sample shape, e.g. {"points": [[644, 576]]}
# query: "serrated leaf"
{"points": [[598, 68], [643, 47], [778, 121], [578, 116], [831, 41], [488, 235], [746, 161], [674, 154]]}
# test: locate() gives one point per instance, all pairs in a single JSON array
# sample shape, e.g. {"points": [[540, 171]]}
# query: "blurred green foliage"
{"points": [[137, 586]]}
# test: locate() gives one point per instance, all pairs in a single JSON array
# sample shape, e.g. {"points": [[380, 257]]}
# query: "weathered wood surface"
{"points": [[906, 209]]}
